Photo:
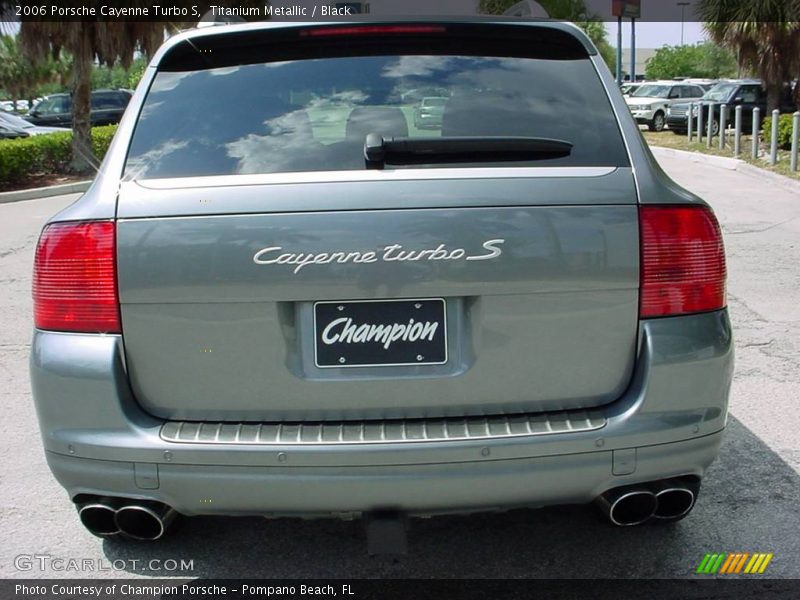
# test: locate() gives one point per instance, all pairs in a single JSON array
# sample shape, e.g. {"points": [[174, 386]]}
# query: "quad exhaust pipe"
{"points": [[668, 500], [145, 521], [675, 500], [628, 506], [98, 516], [140, 520]]}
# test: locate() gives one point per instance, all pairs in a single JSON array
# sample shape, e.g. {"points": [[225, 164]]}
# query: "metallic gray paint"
{"points": [[211, 335], [356, 190], [418, 489], [667, 422], [95, 432]]}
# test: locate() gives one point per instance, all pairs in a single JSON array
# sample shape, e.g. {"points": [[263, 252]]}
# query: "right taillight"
{"points": [[75, 278], [683, 261]]}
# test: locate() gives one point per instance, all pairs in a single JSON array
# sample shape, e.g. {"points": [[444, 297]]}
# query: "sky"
{"points": [[655, 35]]}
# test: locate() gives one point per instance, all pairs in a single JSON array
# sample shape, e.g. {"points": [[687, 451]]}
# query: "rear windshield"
{"points": [[314, 114]]}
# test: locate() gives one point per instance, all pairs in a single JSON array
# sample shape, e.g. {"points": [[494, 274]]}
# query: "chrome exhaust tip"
{"points": [[626, 507], [675, 500], [99, 517], [146, 521]]}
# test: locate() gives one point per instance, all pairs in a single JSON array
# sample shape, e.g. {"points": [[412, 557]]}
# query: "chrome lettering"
{"points": [[274, 255], [493, 251]]}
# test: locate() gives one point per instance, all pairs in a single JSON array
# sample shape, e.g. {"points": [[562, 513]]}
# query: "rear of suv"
{"points": [[650, 103], [289, 301], [107, 108], [749, 94]]}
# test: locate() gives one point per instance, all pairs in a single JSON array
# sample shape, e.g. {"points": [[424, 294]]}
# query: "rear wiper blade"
{"points": [[405, 150]]}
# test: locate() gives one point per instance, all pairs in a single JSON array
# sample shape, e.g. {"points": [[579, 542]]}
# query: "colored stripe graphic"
{"points": [[741, 562], [752, 567], [765, 563], [711, 563], [718, 563], [729, 562], [726, 563], [704, 564]]}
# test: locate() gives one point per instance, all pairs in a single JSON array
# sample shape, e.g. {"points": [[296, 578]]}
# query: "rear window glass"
{"points": [[314, 114], [107, 101]]}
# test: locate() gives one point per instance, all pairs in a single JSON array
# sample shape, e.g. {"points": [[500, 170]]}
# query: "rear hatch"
{"points": [[268, 271]]}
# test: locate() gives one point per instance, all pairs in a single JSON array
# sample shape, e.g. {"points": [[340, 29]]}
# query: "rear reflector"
{"points": [[683, 261], [372, 30], [75, 279]]}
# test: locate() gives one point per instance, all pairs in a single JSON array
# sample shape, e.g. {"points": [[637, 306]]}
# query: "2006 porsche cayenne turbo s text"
{"points": [[281, 298]]}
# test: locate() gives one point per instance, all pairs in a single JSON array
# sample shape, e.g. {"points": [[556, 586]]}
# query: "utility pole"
{"points": [[633, 10], [683, 6], [619, 51], [633, 50]]}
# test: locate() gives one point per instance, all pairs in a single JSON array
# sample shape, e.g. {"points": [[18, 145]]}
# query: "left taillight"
{"points": [[75, 278]]}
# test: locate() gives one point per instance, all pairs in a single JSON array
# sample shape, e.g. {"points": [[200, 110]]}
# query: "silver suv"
{"points": [[650, 103], [280, 298]]}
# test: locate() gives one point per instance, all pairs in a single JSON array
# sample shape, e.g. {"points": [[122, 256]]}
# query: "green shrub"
{"points": [[46, 154], [101, 139], [784, 131]]}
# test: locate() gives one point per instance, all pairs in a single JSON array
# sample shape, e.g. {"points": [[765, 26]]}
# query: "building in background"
{"points": [[642, 56]]}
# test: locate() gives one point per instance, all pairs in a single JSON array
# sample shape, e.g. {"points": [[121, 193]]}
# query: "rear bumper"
{"points": [[668, 423], [422, 489]]}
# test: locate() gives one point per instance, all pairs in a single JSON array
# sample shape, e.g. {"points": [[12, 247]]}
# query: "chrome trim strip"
{"points": [[318, 433], [177, 183]]}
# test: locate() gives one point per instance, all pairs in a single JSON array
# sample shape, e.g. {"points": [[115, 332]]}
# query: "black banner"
{"points": [[391, 589], [192, 11]]}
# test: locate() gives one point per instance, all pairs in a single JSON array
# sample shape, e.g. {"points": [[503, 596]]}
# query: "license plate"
{"points": [[387, 333]]}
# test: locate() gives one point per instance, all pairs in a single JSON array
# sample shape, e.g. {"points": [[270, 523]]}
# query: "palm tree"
{"points": [[19, 76], [764, 34], [95, 39], [87, 41]]}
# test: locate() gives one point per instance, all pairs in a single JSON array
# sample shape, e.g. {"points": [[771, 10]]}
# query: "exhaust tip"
{"points": [[144, 522], [98, 518], [674, 502], [632, 508]]}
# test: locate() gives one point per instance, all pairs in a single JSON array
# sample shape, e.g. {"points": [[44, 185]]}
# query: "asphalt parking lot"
{"points": [[749, 501]]}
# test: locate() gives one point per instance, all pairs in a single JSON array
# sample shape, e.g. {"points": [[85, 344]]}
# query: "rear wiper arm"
{"points": [[405, 150]]}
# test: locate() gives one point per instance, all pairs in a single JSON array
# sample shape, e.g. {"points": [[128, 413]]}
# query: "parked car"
{"points": [[413, 96], [704, 83], [10, 133], [428, 115], [628, 88], [15, 122], [747, 93], [246, 315], [107, 107], [649, 103]]}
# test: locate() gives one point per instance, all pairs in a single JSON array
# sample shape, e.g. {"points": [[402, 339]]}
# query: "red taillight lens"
{"points": [[372, 30], [75, 278], [683, 261]]}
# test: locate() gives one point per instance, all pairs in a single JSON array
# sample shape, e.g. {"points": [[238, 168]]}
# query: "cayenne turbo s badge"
{"points": [[274, 255]]}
